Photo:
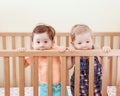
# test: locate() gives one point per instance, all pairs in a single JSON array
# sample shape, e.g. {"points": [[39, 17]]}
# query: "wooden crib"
{"points": [[9, 42]]}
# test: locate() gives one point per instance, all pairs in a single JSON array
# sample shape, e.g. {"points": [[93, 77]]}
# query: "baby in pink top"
{"points": [[43, 39]]}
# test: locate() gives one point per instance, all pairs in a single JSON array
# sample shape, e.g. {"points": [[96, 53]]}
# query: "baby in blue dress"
{"points": [[82, 39]]}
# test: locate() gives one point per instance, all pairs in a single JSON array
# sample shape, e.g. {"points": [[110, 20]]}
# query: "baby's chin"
{"points": [[42, 48], [84, 49]]}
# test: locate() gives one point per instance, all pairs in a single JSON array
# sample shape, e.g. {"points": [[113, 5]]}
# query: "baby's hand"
{"points": [[21, 49], [62, 49], [106, 49], [71, 48]]}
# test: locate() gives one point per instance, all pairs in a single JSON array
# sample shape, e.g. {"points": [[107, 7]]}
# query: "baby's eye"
{"points": [[87, 41], [45, 41], [79, 43], [38, 42]]}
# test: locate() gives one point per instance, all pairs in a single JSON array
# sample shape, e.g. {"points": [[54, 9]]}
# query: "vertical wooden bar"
{"points": [[63, 76], [35, 76], [21, 76], [77, 76], [6, 76], [58, 40], [111, 41], [67, 72], [102, 41], [14, 64], [104, 76], [32, 73], [67, 41], [111, 60], [50, 76], [4, 42], [22, 41], [118, 78], [30, 37], [91, 76], [119, 42]]}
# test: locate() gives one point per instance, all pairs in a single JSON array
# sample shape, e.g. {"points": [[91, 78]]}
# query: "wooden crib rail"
{"points": [[99, 37], [6, 54], [13, 35]]}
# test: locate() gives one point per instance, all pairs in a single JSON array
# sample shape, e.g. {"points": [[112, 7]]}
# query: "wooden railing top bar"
{"points": [[57, 33], [114, 52], [15, 34], [106, 33]]}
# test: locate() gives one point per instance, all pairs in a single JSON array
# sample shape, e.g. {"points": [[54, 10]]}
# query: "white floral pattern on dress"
{"points": [[111, 90]]}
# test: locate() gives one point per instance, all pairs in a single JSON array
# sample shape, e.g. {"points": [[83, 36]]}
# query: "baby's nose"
{"points": [[41, 44], [83, 45]]}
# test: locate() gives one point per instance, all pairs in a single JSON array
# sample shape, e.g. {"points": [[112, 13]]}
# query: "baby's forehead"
{"points": [[41, 35], [83, 36], [80, 30]]}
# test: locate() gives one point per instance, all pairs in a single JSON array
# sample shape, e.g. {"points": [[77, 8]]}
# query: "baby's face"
{"points": [[83, 41], [42, 41]]}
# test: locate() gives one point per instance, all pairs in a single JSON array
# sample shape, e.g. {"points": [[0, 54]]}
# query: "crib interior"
{"points": [[10, 41]]}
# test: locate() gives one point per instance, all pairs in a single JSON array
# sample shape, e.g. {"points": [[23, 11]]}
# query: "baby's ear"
{"points": [[32, 44], [53, 41], [72, 43]]}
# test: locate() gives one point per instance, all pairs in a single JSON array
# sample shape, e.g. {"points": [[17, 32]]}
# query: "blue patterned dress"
{"points": [[84, 75]]}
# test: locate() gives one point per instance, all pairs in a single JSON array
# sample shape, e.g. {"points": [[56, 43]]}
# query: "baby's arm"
{"points": [[27, 59], [70, 59], [70, 62]]}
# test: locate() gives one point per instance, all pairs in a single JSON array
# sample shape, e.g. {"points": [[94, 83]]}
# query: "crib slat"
{"points": [[77, 76], [67, 45], [21, 76], [104, 76], [111, 60], [102, 41], [67, 41], [4, 42], [22, 41], [111, 42], [119, 42], [35, 76], [110, 71], [50, 75], [58, 40], [63, 76], [14, 82], [91, 76], [13, 42], [6, 76], [14, 63], [32, 74], [118, 77]]}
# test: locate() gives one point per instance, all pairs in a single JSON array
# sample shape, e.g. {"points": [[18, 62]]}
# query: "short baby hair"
{"points": [[42, 28], [79, 29]]}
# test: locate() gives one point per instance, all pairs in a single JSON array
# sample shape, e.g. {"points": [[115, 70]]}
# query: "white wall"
{"points": [[23, 15]]}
